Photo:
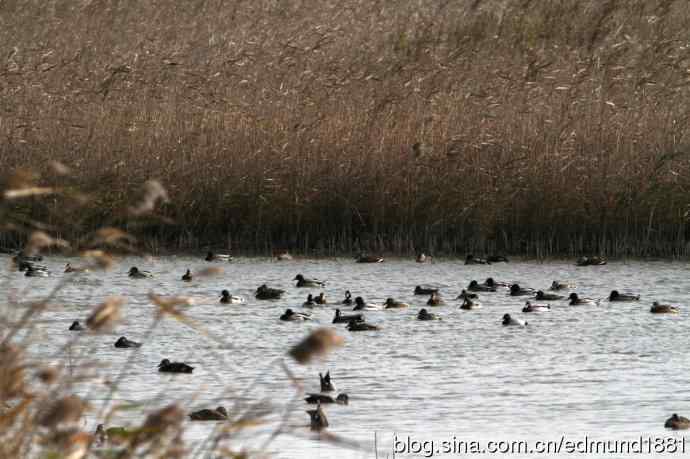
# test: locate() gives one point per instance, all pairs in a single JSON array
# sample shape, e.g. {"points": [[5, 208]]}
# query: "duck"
{"points": [[468, 304], [663, 309], [71, 269], [166, 366], [310, 303], [348, 298], [516, 290], [423, 314], [361, 258], [210, 256], [341, 399], [555, 285], [392, 303], [361, 305], [472, 260], [76, 326], [326, 382], [615, 296], [24, 261], [116, 435], [318, 420], [476, 287], [490, 282], [496, 259], [36, 271], [465, 294], [354, 325], [134, 273], [226, 298], [529, 307], [435, 300], [187, 277], [291, 316], [340, 318], [547, 296], [23, 265], [676, 422], [423, 258], [305, 282], [419, 290], [512, 322], [321, 299], [576, 300], [590, 261], [264, 292], [123, 342], [219, 414]]}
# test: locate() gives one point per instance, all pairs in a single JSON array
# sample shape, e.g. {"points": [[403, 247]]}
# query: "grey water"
{"points": [[609, 372]]}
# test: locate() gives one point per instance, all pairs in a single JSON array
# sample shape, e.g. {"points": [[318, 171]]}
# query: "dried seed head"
{"points": [[102, 260], [211, 271], [105, 315], [40, 240], [58, 168], [12, 382], [65, 410], [159, 421], [153, 192], [319, 342], [112, 236]]}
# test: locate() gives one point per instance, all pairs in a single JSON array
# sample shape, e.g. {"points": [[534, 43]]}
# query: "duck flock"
{"points": [[351, 313]]}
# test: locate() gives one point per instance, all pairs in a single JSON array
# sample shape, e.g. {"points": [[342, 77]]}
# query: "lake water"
{"points": [[611, 372]]}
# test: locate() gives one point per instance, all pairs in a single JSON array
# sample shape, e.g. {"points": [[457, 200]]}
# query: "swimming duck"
{"points": [[423, 258], [348, 298], [476, 287], [341, 319], [513, 322], [134, 273], [111, 435], [76, 326], [265, 292], [394, 304], [663, 309], [676, 422], [615, 296], [423, 314], [166, 366], [496, 259], [516, 290], [576, 300], [529, 307], [368, 259], [291, 316], [310, 303], [354, 325], [472, 260], [360, 305], [419, 290], [318, 419], [210, 256], [341, 399], [187, 277], [219, 414], [490, 282], [305, 282], [326, 383], [71, 269], [321, 299], [468, 304], [226, 298], [555, 285], [123, 342], [36, 271], [548, 296], [435, 300], [465, 294], [591, 261]]}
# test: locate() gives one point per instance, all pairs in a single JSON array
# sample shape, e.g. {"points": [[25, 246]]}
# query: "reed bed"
{"points": [[515, 126]]}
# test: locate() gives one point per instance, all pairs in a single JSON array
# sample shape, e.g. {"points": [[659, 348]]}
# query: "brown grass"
{"points": [[519, 126]]}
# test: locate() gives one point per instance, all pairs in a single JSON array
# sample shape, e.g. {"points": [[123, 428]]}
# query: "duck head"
{"points": [[506, 319], [133, 270], [163, 363], [343, 399], [121, 340], [226, 294], [469, 257], [310, 298], [326, 383], [614, 294], [348, 295], [222, 410], [75, 325], [418, 289], [299, 278], [337, 312], [359, 301], [289, 312], [389, 302], [490, 282], [423, 312], [473, 283], [515, 288], [573, 296], [540, 295]]}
